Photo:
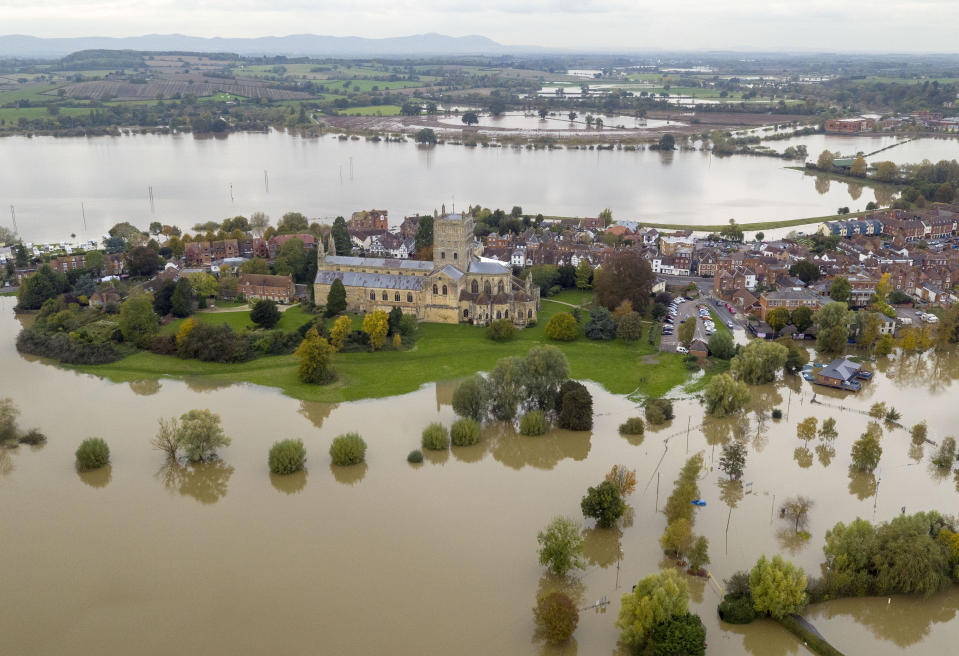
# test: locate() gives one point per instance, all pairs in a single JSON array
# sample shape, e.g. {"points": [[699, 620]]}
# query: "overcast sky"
{"points": [[849, 25]]}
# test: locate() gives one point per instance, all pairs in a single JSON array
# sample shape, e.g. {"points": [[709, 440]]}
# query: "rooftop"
{"points": [[377, 280], [381, 262]]}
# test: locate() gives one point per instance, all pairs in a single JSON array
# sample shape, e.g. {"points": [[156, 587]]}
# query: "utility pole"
{"points": [[231, 192], [83, 212], [13, 216], [657, 491], [689, 423], [266, 180]]}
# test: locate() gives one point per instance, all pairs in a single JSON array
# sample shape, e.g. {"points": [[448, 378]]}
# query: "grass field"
{"points": [[441, 352], [15, 113], [372, 110], [240, 320]]}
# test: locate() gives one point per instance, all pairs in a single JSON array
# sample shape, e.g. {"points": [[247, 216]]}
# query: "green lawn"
{"points": [[441, 352], [12, 114], [372, 110], [240, 321]]}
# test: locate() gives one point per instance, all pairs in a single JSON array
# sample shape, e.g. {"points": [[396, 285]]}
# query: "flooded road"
{"points": [[83, 186], [436, 558]]}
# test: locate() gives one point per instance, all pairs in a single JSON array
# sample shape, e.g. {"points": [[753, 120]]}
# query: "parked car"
{"points": [[730, 324], [682, 349]]}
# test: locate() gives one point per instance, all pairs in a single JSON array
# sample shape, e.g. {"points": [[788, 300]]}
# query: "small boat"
{"points": [[699, 502], [865, 375]]}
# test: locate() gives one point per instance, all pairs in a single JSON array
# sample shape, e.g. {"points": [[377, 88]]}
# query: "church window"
{"points": [[488, 288], [443, 255], [435, 290], [529, 314], [409, 297], [455, 255], [499, 288], [444, 290], [396, 297], [384, 296], [474, 287], [466, 314], [499, 315], [372, 296], [507, 314]]}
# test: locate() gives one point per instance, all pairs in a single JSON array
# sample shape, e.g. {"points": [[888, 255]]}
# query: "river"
{"points": [[82, 186], [401, 559]]}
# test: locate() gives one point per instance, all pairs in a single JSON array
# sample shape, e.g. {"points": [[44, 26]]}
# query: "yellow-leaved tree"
{"points": [[341, 328], [376, 324], [316, 358]]}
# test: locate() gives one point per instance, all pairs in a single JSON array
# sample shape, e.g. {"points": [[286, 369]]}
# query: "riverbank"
{"points": [[441, 352], [894, 187]]}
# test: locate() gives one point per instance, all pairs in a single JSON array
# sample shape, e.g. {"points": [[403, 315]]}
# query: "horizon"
{"points": [[600, 26]]}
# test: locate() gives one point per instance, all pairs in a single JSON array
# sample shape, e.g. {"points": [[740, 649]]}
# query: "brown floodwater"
{"points": [[389, 557]]}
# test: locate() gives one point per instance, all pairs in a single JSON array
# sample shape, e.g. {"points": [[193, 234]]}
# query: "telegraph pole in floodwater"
{"points": [[266, 180], [83, 212], [13, 216], [153, 209]]}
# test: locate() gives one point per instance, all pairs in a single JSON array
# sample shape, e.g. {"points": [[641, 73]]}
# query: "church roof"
{"points": [[391, 263], [377, 280], [452, 272], [487, 267]]}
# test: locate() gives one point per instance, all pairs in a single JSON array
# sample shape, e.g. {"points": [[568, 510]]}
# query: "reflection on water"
{"points": [[472, 453], [289, 483], [601, 546], [6, 461], [862, 484], [765, 637], [822, 184], [97, 477], [204, 481], [350, 475], [803, 457], [146, 387], [855, 190], [825, 452], [902, 621], [444, 392], [543, 452], [731, 491], [790, 541], [205, 384], [316, 412]]}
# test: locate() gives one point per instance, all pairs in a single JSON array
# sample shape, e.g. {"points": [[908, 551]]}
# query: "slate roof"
{"points": [[452, 272], [371, 280], [346, 260], [840, 368], [487, 267]]}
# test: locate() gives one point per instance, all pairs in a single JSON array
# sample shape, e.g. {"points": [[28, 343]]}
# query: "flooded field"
{"points": [[894, 149], [559, 122], [83, 186], [435, 558]]}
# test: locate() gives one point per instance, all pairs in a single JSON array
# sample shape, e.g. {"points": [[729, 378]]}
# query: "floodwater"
{"points": [[559, 122], [82, 186], [894, 149], [436, 558]]}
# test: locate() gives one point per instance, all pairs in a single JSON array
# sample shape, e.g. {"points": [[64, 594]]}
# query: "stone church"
{"points": [[456, 287]]}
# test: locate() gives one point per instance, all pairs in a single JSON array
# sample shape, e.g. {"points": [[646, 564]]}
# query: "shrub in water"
{"points": [[777, 413], [659, 411], [33, 437], [465, 432], [287, 456], [93, 453], [435, 437], [737, 609], [415, 456], [632, 426], [533, 423], [349, 449]]}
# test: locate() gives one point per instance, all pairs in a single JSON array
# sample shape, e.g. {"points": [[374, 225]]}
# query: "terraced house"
{"points": [[456, 287]]}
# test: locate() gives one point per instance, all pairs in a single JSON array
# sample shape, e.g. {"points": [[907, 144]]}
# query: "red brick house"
{"points": [[271, 288]]}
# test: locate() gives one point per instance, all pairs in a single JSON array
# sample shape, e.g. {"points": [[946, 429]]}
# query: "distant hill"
{"points": [[16, 45]]}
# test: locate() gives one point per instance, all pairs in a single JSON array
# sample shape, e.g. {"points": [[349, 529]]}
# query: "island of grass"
{"points": [[440, 352]]}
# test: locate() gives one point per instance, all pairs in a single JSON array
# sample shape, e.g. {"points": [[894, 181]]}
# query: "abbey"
{"points": [[456, 287]]}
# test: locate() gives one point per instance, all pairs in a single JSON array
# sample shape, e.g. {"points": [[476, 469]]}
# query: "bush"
{"points": [[415, 456], [562, 327], [736, 609], [92, 453], [659, 411], [556, 617], [501, 330], [465, 432], [576, 407], [534, 423], [777, 413], [66, 348], [604, 504], [680, 634], [32, 437], [287, 456], [469, 398], [436, 437], [349, 449], [632, 426]]}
